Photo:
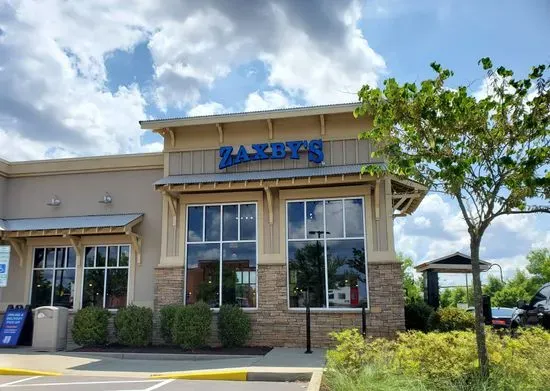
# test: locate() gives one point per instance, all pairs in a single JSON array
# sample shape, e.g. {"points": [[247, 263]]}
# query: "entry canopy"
{"points": [[453, 263], [406, 195], [74, 225]]}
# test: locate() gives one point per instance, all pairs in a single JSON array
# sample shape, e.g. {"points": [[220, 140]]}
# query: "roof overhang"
{"points": [[452, 263], [249, 116], [69, 226]]}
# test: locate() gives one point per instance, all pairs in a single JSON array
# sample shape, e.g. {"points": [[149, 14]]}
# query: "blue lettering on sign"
{"points": [[314, 150]]}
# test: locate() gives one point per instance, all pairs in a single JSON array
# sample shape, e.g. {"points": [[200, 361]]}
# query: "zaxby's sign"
{"points": [[276, 150]]}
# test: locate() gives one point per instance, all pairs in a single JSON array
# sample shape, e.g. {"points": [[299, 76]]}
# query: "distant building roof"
{"points": [[452, 263]]}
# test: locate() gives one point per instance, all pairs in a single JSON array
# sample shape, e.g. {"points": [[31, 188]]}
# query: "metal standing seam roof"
{"points": [[72, 222], [245, 114], [262, 175]]}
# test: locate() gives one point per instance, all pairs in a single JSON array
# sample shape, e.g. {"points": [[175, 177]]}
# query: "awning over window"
{"points": [[73, 225], [265, 175], [406, 194]]}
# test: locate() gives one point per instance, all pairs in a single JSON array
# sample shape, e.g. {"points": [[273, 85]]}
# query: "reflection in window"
{"points": [[203, 273], [234, 254], [105, 279], [326, 261], [53, 277]]}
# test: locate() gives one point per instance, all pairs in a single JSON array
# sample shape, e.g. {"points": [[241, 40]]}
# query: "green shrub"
{"points": [[452, 319], [167, 316], [192, 325], [353, 352], [134, 326], [90, 326], [233, 326], [438, 361], [418, 315]]}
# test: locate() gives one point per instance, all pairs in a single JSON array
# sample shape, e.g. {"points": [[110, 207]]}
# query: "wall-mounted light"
{"points": [[107, 199], [55, 201]]}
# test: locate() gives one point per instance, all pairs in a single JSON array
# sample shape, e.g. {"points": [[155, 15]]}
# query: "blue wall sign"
{"points": [[12, 326], [272, 151]]}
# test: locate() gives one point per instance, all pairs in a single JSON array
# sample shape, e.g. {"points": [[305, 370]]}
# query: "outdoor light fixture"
{"points": [[55, 201], [107, 199]]}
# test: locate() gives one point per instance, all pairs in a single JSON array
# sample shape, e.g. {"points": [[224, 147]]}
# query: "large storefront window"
{"points": [[105, 281], [221, 237], [326, 253], [53, 277]]}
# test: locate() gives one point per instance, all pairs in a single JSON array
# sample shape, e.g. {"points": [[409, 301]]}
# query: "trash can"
{"points": [[50, 329]]}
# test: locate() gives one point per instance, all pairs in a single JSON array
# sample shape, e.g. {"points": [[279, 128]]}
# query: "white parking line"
{"points": [[82, 383], [160, 385], [156, 386], [19, 381]]}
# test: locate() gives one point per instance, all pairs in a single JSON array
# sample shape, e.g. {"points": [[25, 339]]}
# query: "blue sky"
{"points": [[75, 77]]}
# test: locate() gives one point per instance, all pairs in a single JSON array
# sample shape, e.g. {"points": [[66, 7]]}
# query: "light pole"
{"points": [[496, 264]]}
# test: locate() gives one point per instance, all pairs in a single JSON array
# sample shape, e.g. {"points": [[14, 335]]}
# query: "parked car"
{"points": [[502, 317], [537, 311]]}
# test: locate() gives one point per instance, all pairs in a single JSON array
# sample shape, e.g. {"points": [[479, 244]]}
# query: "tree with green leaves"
{"points": [[490, 154], [412, 285], [519, 287], [452, 297], [539, 265]]}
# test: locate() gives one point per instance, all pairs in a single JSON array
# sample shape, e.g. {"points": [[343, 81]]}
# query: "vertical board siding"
{"points": [[337, 152]]}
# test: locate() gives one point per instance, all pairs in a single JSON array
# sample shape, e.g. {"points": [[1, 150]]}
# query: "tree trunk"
{"points": [[482, 356]]}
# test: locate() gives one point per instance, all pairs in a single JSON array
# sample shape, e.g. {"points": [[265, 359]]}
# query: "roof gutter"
{"points": [[250, 116]]}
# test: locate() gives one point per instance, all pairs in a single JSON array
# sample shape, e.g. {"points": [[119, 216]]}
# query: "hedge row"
{"points": [[188, 326]]}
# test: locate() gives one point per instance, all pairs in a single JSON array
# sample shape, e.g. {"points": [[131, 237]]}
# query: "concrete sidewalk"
{"points": [[279, 360]]}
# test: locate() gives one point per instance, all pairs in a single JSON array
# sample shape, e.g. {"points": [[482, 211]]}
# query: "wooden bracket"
{"points": [[20, 247], [76, 244], [270, 128], [323, 128], [220, 132], [173, 205], [136, 245], [269, 196], [164, 132]]}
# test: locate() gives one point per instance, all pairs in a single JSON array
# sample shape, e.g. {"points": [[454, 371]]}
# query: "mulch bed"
{"points": [[166, 349]]}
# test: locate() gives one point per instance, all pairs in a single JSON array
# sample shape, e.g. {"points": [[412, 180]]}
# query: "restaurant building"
{"points": [[266, 210]]}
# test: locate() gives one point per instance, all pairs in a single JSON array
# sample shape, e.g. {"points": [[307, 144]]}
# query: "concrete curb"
{"points": [[316, 380], [26, 372], [216, 374], [241, 374], [161, 356]]}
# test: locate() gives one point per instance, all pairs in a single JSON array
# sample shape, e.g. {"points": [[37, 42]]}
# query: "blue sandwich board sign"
{"points": [[277, 150], [12, 326]]}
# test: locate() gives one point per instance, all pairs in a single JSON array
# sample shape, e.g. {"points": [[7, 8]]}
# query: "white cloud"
{"points": [[208, 108], [53, 100], [317, 54], [422, 222], [266, 100], [54, 93]]}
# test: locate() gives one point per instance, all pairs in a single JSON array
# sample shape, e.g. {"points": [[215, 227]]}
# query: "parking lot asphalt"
{"points": [[91, 383]]}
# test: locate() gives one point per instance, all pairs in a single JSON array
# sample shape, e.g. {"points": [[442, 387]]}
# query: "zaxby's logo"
{"points": [[277, 150]]}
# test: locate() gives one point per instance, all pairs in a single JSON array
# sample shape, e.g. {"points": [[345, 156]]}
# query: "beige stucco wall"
{"points": [[3, 187], [132, 192]]}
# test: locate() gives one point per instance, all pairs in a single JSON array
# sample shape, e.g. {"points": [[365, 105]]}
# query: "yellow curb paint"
{"points": [[26, 372], [236, 375]]}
